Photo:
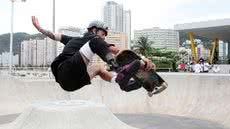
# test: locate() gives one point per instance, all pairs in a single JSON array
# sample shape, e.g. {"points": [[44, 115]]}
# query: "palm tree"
{"points": [[143, 46]]}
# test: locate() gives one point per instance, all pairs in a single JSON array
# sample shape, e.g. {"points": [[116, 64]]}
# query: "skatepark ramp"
{"points": [[69, 114], [202, 96], [17, 94]]}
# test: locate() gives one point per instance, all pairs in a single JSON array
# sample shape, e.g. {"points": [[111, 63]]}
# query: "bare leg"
{"points": [[100, 70], [97, 69]]}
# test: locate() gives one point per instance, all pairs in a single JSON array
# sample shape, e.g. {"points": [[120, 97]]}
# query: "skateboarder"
{"points": [[70, 67]]}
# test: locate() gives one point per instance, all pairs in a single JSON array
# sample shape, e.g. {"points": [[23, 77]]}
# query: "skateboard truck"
{"points": [[158, 89]]}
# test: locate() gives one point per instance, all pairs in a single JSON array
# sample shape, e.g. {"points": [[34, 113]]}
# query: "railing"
{"points": [[25, 68], [28, 72]]}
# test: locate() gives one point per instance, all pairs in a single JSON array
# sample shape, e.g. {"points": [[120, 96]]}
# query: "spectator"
{"points": [[204, 65], [182, 66], [197, 68]]}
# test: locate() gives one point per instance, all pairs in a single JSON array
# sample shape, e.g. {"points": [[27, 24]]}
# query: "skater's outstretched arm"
{"points": [[55, 36]]}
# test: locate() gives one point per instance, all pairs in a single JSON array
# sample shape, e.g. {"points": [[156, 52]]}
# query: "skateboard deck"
{"points": [[151, 81]]}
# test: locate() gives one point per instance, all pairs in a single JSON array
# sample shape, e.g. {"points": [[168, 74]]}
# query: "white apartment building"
{"points": [[37, 52], [162, 38]]}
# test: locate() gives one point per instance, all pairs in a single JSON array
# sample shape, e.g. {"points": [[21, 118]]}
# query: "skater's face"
{"points": [[101, 34]]}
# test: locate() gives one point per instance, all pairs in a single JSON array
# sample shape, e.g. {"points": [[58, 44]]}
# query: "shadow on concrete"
{"points": [[4, 119], [159, 121], [150, 121]]}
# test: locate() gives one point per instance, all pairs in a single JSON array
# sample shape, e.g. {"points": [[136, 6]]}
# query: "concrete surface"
{"points": [[149, 121], [71, 114], [160, 121], [203, 97]]}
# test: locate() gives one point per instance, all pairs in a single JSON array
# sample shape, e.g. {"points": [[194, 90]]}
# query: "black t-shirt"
{"points": [[72, 45]]}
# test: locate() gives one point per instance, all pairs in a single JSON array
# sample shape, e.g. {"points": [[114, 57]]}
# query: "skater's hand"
{"points": [[114, 49], [36, 23], [48, 33], [149, 64]]}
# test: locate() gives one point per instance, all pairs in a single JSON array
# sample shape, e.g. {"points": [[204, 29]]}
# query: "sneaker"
{"points": [[128, 71]]}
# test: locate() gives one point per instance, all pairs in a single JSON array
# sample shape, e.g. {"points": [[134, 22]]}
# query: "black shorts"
{"points": [[72, 73]]}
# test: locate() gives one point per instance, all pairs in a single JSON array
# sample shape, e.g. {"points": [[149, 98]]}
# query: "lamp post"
{"points": [[54, 15], [11, 35]]}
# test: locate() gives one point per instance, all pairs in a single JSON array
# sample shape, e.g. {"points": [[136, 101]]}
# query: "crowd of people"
{"points": [[201, 66]]}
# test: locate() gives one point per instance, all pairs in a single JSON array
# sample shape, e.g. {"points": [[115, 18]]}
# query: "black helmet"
{"points": [[99, 25]]}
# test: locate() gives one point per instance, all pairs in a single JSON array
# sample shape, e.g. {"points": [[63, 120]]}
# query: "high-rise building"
{"points": [[162, 38], [26, 53], [37, 52], [118, 19], [223, 49], [127, 25], [113, 16]]}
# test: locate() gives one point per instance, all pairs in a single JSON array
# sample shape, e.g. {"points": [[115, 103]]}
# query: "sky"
{"points": [[145, 13]]}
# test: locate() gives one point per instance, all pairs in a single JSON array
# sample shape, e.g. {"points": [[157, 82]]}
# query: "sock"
{"points": [[113, 80]]}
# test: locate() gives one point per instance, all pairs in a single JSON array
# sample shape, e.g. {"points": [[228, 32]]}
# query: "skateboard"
{"points": [[150, 80]]}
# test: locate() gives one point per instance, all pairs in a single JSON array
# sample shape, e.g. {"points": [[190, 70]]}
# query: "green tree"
{"points": [[164, 59], [143, 46]]}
